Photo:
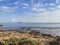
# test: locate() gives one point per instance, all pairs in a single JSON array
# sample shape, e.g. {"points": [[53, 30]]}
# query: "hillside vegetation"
{"points": [[19, 38]]}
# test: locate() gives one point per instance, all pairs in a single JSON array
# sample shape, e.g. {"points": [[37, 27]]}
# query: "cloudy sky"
{"points": [[30, 11]]}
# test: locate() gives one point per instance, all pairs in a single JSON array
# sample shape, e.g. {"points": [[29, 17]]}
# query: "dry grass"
{"points": [[43, 40]]}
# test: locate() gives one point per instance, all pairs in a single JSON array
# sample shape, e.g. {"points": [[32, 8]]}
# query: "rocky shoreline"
{"points": [[44, 39]]}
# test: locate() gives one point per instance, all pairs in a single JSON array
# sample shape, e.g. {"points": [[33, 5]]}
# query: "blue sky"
{"points": [[30, 11]]}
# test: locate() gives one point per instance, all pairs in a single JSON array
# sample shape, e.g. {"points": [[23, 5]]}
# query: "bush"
{"points": [[24, 41], [1, 43], [53, 43]]}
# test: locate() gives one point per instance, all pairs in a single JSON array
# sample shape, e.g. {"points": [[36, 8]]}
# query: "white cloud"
{"points": [[46, 16], [57, 1], [58, 6], [46, 4], [38, 9], [56, 12], [52, 4], [7, 9], [25, 4], [52, 8], [16, 2], [37, 5]]}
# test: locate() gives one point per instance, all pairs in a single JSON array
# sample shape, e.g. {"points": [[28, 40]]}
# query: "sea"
{"points": [[46, 28]]}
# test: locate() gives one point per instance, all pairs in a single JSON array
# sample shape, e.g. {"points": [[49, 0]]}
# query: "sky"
{"points": [[36, 11]]}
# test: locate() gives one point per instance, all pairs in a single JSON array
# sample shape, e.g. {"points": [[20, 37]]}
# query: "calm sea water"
{"points": [[48, 28]]}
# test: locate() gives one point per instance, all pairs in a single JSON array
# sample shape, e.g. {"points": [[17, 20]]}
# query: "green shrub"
{"points": [[28, 42], [1, 43], [53, 43], [24, 41]]}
